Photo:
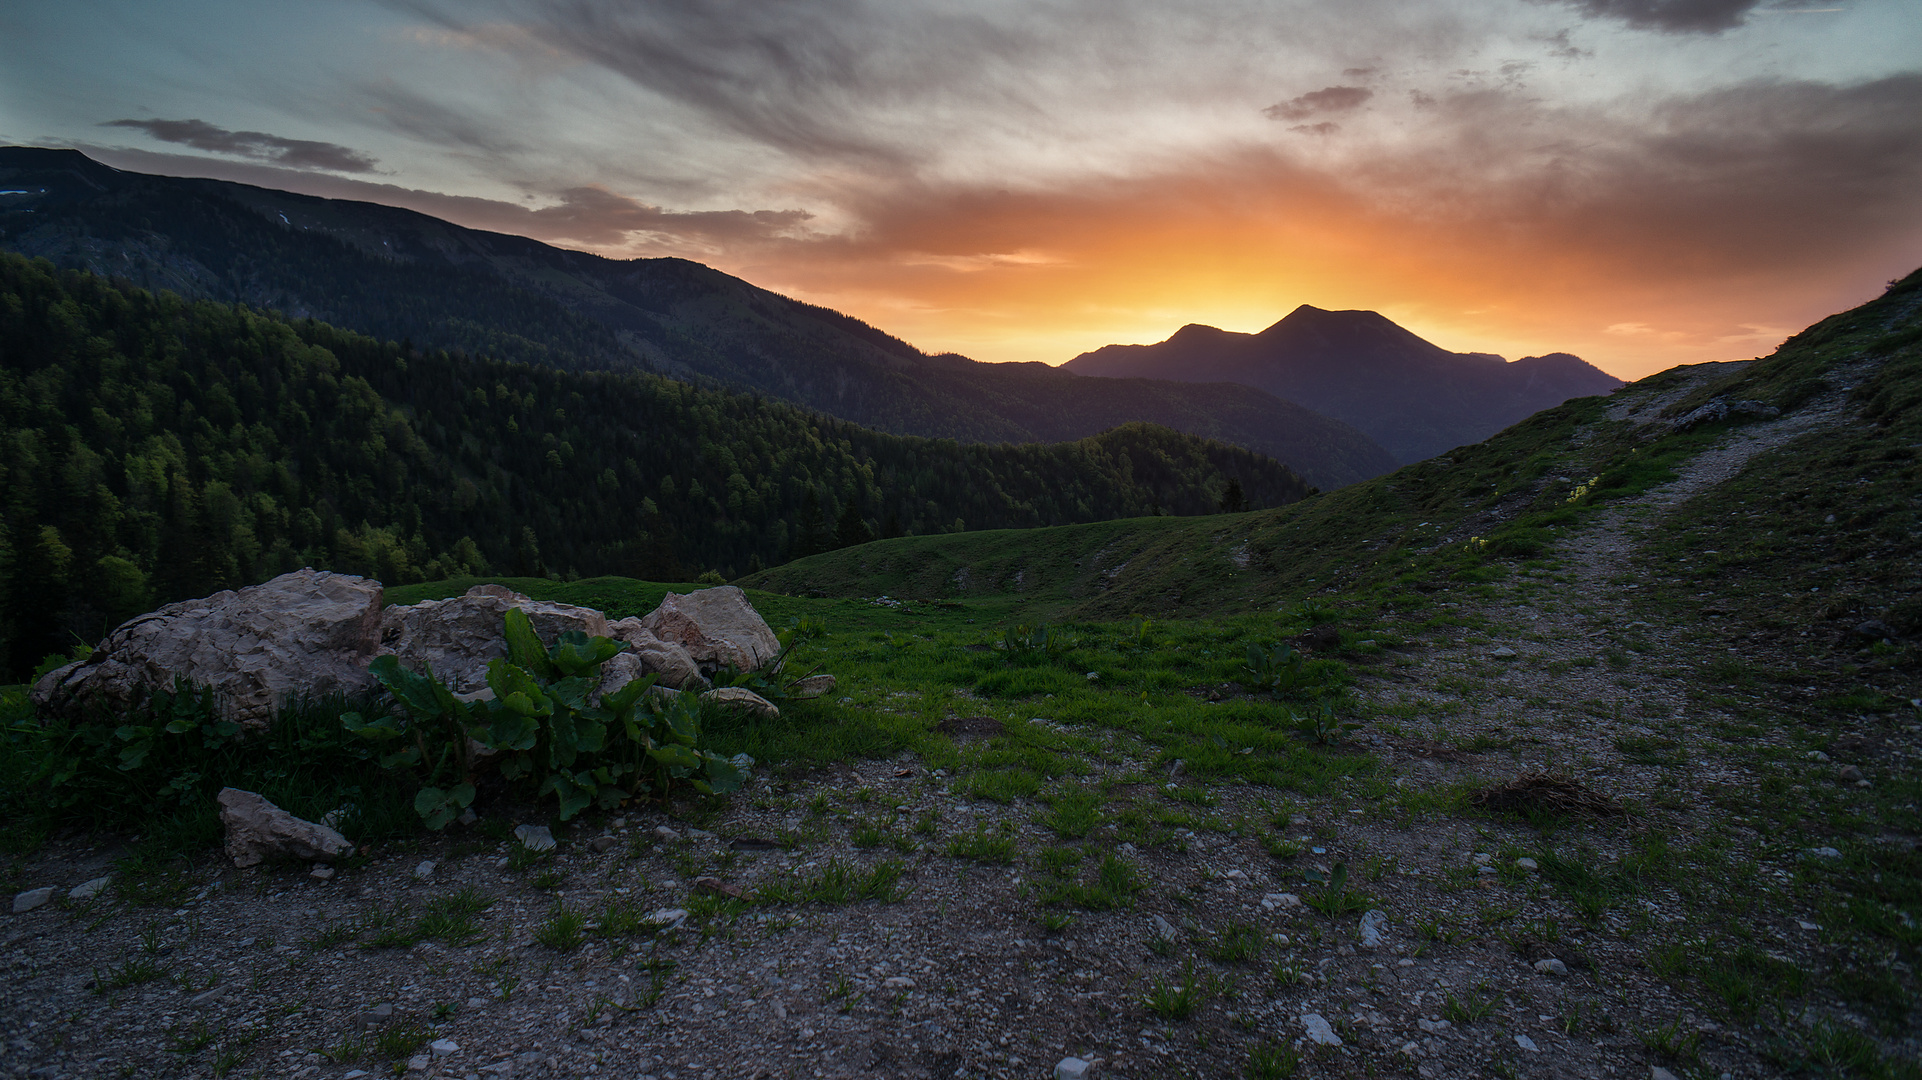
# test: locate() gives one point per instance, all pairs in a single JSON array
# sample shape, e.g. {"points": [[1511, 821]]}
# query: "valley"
{"points": [[1613, 718]]}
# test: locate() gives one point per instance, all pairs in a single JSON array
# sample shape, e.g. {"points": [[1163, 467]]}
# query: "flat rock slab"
{"points": [[258, 830]]}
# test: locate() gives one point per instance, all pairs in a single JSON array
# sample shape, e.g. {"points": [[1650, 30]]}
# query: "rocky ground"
{"points": [[875, 920]]}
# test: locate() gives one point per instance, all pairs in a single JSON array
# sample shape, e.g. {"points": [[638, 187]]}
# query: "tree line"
{"points": [[154, 449]]}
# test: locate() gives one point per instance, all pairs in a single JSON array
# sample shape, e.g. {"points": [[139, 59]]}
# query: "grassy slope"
{"points": [[1400, 535]]}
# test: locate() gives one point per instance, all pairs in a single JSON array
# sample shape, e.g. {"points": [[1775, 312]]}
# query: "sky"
{"points": [[1639, 182]]}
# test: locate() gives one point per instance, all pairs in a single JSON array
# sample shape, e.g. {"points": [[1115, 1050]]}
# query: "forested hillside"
{"points": [[153, 449], [398, 274]]}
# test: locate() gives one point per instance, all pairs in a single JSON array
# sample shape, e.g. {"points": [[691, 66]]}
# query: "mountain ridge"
{"points": [[402, 275], [1407, 393]]}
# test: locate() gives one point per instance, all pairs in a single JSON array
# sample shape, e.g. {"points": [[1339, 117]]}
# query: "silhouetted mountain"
{"points": [[401, 275], [1410, 395]]}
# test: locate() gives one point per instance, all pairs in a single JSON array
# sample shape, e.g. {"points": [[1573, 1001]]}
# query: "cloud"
{"points": [[1670, 16], [580, 217], [1331, 99], [293, 153]]}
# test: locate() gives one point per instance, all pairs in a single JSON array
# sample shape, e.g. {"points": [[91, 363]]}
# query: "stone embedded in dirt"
{"points": [[665, 835], [87, 890], [1319, 1030], [1656, 1072], [716, 887], [1526, 863], [322, 873], [32, 898], [1504, 653], [444, 1047], [1433, 1027], [1527, 1044], [534, 837], [1825, 853], [1550, 966], [1721, 408], [308, 632], [1848, 774], [602, 844], [1073, 1068], [740, 697], [717, 627], [455, 638], [668, 918], [813, 686], [1283, 900], [258, 830], [667, 659], [425, 871], [1371, 927]]}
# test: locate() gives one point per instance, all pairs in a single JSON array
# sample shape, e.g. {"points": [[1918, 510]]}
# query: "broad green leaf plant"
{"points": [[548, 725]]}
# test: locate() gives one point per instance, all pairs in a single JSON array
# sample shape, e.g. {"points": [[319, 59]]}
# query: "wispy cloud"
{"points": [[293, 153], [1333, 99], [1671, 16]]}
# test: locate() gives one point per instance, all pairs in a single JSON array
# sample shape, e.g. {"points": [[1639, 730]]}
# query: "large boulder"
{"points": [[258, 830], [308, 632], [666, 659], [457, 637], [717, 627]]}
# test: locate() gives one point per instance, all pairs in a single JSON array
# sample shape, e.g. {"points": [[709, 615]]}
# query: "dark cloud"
{"points": [[801, 78], [1764, 174], [293, 153], [415, 114], [1358, 73], [1671, 16], [1327, 100], [1323, 128], [588, 217]]}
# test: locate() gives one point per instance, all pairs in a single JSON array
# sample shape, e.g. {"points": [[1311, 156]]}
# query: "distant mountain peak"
{"points": [[1407, 393]]}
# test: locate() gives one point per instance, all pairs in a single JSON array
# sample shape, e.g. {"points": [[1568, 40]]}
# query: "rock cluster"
{"points": [[312, 632]]}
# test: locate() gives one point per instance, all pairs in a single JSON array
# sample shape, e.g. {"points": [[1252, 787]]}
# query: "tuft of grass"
{"points": [[1272, 1061], [839, 883], [563, 929], [981, 845], [1238, 943], [1114, 886], [1177, 999], [1074, 815]]}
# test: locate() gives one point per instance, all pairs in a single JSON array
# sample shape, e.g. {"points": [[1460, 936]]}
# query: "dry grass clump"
{"points": [[1544, 793]]}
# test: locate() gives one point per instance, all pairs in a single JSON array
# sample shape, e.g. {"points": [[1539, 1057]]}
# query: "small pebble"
{"points": [[1319, 1030], [32, 898], [1527, 863], [1527, 1044], [534, 837], [89, 890], [1550, 966], [1072, 1068], [425, 871]]}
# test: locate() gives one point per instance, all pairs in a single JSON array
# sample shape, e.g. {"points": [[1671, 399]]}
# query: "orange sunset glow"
{"points": [[1641, 183]]}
